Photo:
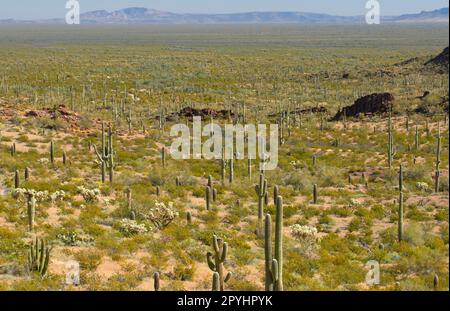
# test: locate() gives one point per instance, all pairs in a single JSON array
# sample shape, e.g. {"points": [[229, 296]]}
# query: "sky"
{"points": [[40, 9]]}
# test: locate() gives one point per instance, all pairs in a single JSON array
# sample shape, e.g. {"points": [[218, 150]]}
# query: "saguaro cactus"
{"points": [[315, 194], [390, 147], [27, 173], [163, 157], [52, 152], [261, 192], [156, 281], [217, 260], [276, 191], [31, 210], [416, 138], [400, 204], [438, 161], [39, 256], [106, 155], [274, 266], [16, 179], [208, 197], [216, 282], [13, 149]]}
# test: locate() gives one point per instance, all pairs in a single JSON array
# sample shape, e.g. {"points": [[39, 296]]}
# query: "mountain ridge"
{"points": [[141, 15]]}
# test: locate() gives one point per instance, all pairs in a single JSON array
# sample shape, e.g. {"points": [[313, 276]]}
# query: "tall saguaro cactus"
{"points": [[261, 192], [400, 204], [437, 172], [274, 262], [216, 261], [390, 147], [106, 154], [31, 210]]}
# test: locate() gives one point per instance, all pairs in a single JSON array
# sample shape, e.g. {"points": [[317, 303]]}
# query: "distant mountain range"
{"points": [[137, 15]]}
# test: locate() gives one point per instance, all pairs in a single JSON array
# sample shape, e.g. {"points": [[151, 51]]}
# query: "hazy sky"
{"points": [[33, 9]]}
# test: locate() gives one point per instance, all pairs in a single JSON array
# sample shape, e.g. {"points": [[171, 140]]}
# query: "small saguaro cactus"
{"points": [[208, 197], [163, 156], [106, 154], [16, 179], [27, 173], [13, 149], [437, 172], [31, 210], [52, 152], [249, 168], [315, 194], [416, 139], [39, 256], [156, 281], [261, 192], [314, 160], [213, 190], [274, 264], [217, 260], [158, 191], [64, 158], [435, 281], [129, 199], [177, 181], [189, 218]]}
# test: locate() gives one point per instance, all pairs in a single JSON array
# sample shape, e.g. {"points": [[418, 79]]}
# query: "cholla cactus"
{"points": [[131, 227], [89, 195], [160, 215], [307, 239], [423, 186], [59, 195], [302, 232], [22, 194]]}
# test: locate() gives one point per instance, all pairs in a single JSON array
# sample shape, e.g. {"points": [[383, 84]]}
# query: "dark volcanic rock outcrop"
{"points": [[377, 103], [440, 60]]}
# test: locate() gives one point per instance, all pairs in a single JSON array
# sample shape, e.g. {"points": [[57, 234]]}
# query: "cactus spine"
{"points": [[438, 161], [274, 264], [106, 156], [39, 256], [261, 192], [216, 260]]}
